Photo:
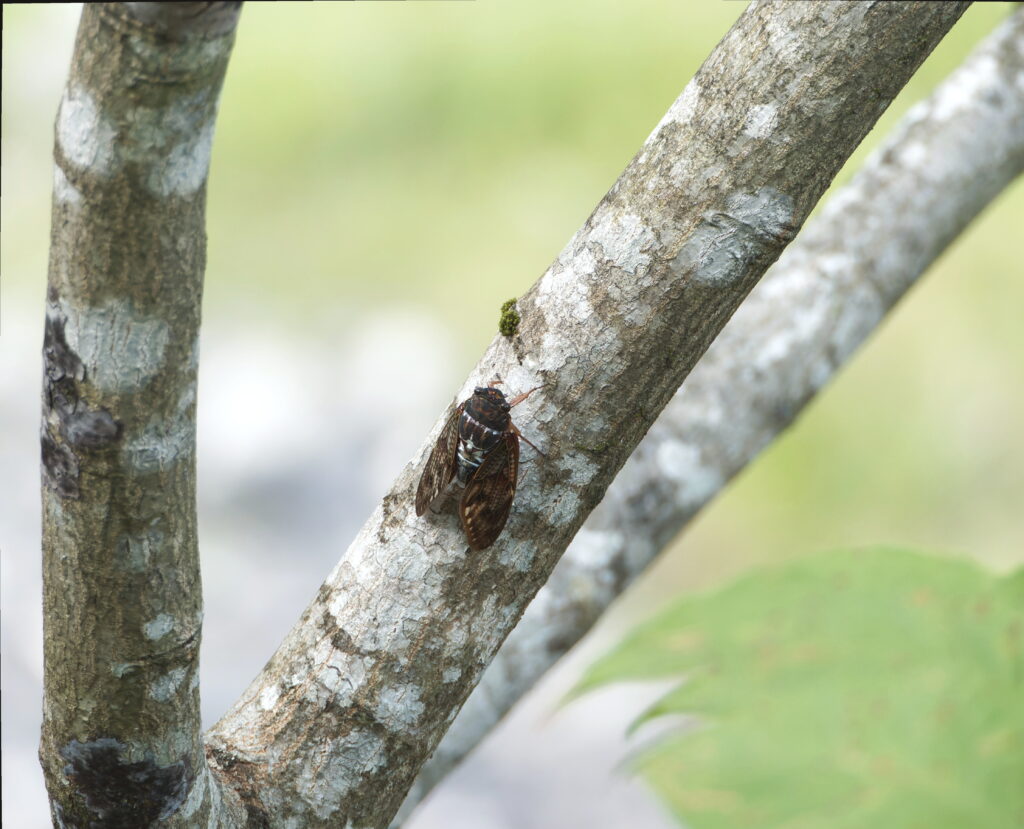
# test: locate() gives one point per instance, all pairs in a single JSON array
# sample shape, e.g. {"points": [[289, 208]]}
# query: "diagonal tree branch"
{"points": [[944, 163], [338, 724], [121, 742]]}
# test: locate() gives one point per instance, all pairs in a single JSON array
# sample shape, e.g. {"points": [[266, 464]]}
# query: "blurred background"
{"points": [[384, 176]]}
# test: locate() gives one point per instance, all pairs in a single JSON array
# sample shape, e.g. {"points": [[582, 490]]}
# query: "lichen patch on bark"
{"points": [[123, 350], [760, 120], [84, 135], [325, 780], [64, 192], [519, 558], [183, 131], [159, 627], [163, 442], [400, 707], [726, 243], [166, 686], [624, 238]]}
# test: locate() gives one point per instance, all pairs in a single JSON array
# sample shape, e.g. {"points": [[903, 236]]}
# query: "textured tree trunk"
{"points": [[121, 744], [944, 163], [336, 727]]}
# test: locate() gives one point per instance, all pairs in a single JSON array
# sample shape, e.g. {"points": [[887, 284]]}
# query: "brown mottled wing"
{"points": [[488, 497], [440, 468]]}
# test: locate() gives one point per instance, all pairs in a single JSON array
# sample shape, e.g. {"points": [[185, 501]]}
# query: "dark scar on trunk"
{"points": [[79, 427], [123, 794]]}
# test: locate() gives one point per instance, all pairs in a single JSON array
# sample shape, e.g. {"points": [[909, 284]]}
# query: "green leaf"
{"points": [[877, 688]]}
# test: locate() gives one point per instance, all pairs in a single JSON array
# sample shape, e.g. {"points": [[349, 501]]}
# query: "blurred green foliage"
{"points": [[441, 152], [437, 156], [871, 688]]}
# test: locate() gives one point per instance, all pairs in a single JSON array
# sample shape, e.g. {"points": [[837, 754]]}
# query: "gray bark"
{"points": [[950, 156], [338, 724], [121, 743]]}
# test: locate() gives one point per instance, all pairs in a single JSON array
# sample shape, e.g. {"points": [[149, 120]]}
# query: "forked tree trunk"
{"points": [[335, 729]]}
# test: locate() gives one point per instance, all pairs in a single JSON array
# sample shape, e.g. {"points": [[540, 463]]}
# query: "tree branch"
{"points": [[345, 713], [944, 163], [121, 742]]}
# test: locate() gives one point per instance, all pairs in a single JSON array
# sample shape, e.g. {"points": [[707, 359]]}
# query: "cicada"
{"points": [[479, 447]]}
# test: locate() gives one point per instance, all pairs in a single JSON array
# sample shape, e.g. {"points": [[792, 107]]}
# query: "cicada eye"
{"points": [[505, 407], [480, 390]]}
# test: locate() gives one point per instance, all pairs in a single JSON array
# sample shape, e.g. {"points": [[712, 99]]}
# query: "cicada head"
{"points": [[489, 407]]}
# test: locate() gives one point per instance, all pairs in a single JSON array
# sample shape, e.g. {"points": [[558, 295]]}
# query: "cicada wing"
{"points": [[488, 497], [440, 467]]}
